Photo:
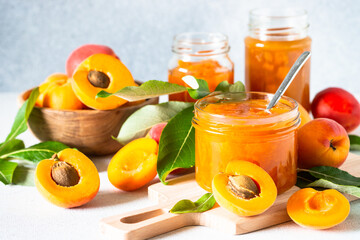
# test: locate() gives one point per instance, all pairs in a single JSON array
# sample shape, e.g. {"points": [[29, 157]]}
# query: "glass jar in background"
{"points": [[277, 37], [202, 55], [236, 126]]}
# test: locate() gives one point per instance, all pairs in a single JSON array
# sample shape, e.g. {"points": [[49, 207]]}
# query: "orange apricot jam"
{"points": [[237, 126], [209, 70], [268, 62]]}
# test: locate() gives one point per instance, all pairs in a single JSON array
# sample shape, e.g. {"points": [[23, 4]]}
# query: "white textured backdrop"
{"points": [[37, 36]]}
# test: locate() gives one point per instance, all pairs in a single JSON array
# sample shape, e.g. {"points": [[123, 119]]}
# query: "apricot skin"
{"points": [[322, 142], [339, 105], [134, 165], [68, 197], [244, 207], [304, 116], [318, 210], [155, 131]]}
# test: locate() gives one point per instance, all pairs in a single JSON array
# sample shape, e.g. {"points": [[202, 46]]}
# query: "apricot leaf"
{"points": [[333, 175], [149, 89], [141, 121], [37, 152], [225, 86], [19, 126], [177, 144], [6, 171], [201, 91], [11, 146], [206, 202], [352, 190], [354, 142]]}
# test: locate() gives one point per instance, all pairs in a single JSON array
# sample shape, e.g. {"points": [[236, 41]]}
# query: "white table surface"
{"points": [[24, 214]]}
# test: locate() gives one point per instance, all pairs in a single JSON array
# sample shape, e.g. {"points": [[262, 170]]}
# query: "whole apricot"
{"points": [[83, 52], [156, 130], [339, 105], [304, 115], [322, 142]]}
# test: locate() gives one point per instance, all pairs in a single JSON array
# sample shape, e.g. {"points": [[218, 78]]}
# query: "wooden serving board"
{"points": [[152, 221]]}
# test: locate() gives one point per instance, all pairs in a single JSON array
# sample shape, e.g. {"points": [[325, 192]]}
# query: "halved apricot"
{"points": [[68, 180], [134, 165], [244, 189], [318, 209], [101, 72]]}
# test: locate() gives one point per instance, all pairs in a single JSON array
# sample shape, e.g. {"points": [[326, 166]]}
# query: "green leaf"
{"points": [[223, 87], [149, 89], [354, 142], [177, 144], [352, 190], [206, 202], [304, 179], [237, 87], [11, 146], [24, 175], [333, 175], [38, 152], [140, 122], [19, 126], [6, 171], [201, 91]]}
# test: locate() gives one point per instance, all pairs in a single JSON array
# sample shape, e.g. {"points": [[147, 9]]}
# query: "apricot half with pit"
{"points": [[69, 179], [101, 72], [318, 209], [244, 189]]}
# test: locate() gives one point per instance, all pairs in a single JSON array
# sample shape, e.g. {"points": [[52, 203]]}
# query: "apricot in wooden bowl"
{"points": [[90, 131]]}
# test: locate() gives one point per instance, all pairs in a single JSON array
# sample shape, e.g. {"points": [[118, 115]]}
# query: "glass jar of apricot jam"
{"points": [[277, 37], [237, 126], [202, 55]]}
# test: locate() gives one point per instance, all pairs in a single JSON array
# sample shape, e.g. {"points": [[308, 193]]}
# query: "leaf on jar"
{"points": [[177, 144]]}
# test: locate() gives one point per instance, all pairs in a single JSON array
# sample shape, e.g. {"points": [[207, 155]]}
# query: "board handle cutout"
{"points": [[145, 223]]}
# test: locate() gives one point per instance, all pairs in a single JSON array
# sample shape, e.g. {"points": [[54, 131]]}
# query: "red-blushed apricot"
{"points": [[338, 105], [318, 210], [155, 131], [83, 52], [68, 180], [134, 165], [322, 142], [101, 72], [244, 189]]}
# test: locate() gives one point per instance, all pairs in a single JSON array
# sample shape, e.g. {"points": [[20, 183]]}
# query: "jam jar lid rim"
{"points": [[292, 113]]}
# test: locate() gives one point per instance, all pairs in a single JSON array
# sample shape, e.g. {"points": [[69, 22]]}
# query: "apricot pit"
{"points": [[64, 174], [98, 79]]}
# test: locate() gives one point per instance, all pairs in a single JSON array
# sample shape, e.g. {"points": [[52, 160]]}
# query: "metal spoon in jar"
{"points": [[289, 77]]}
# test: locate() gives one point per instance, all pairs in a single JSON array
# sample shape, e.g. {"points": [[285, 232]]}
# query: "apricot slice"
{"points": [[134, 165], [318, 209], [68, 180], [101, 72], [244, 189]]}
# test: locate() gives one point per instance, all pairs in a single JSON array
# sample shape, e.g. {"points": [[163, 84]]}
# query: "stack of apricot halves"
{"points": [[90, 68]]}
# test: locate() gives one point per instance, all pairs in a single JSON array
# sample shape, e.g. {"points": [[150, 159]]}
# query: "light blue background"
{"points": [[37, 36]]}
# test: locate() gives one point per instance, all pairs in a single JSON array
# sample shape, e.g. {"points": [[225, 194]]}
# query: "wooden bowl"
{"points": [[90, 131]]}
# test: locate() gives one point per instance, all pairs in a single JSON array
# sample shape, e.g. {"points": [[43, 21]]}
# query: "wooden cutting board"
{"points": [[152, 221]]}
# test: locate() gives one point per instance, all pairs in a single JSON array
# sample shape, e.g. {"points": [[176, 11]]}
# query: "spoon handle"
{"points": [[289, 77]]}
